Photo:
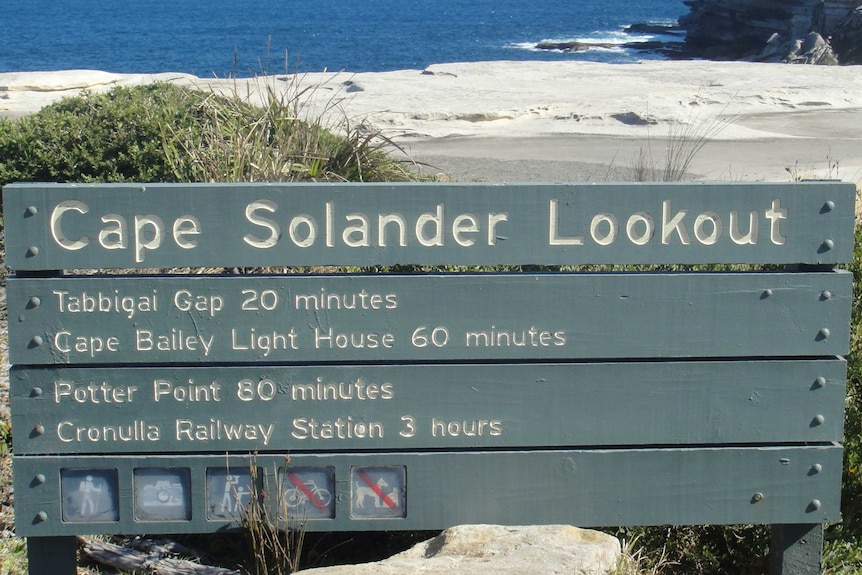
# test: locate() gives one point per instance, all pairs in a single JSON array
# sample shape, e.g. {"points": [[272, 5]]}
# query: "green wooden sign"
{"points": [[198, 319], [217, 225], [298, 409], [418, 401], [591, 487]]}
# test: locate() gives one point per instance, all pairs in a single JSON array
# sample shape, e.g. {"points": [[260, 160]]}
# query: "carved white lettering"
{"points": [[329, 339], [219, 430], [533, 337], [775, 214], [466, 428], [100, 302], [554, 238], [609, 234], [322, 390], [341, 428], [93, 392], [176, 340], [186, 392], [674, 224], [708, 227], [265, 342], [185, 300], [148, 230], [357, 228], [93, 345], [137, 430], [57, 227]]}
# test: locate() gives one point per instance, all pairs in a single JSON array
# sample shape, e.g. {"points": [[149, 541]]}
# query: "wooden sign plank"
{"points": [[732, 485], [296, 409], [121, 319], [66, 226]]}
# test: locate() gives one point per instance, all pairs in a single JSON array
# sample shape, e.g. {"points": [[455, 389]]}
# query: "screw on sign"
{"points": [[377, 492]]}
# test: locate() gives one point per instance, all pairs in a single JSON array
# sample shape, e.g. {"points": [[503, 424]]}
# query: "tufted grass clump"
{"points": [[265, 135], [684, 142]]}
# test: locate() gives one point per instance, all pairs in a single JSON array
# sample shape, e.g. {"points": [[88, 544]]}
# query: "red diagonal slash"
{"points": [[312, 496], [376, 489]]}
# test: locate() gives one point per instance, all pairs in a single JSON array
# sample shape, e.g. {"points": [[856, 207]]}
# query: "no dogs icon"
{"points": [[377, 492]]}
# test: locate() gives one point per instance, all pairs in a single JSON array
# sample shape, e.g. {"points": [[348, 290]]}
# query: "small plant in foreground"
{"points": [[684, 143], [13, 556], [275, 545], [798, 174], [634, 561], [5, 436]]}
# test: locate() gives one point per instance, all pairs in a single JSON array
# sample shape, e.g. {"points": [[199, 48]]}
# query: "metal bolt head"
{"points": [[826, 295], [34, 301], [816, 468], [818, 420], [39, 429], [31, 211], [828, 245], [40, 478], [757, 497], [42, 516], [32, 252], [820, 381], [825, 333], [815, 505], [36, 392], [36, 341], [829, 206]]}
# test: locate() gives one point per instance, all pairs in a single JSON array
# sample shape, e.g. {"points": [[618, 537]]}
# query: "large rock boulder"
{"points": [[813, 49], [498, 550], [847, 37], [765, 30]]}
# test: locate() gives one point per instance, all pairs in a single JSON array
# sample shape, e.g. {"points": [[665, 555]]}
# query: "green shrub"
{"points": [[113, 137], [844, 540]]}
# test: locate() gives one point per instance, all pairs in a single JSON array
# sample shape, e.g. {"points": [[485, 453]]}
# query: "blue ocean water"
{"points": [[247, 37]]}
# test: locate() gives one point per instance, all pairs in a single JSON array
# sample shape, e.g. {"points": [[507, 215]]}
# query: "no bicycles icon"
{"points": [[308, 493]]}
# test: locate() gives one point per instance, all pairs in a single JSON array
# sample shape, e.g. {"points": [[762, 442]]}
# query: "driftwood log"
{"points": [[153, 560]]}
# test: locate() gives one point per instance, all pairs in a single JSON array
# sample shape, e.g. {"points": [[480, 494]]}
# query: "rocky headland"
{"points": [[794, 31], [827, 32]]}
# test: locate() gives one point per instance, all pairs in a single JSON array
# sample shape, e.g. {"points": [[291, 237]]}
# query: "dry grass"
{"points": [[634, 561], [275, 544], [684, 142], [264, 135]]}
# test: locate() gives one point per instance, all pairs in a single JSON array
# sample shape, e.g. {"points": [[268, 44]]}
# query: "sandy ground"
{"points": [[562, 121]]}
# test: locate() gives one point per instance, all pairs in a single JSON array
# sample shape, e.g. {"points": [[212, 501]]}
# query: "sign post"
{"points": [[406, 401]]}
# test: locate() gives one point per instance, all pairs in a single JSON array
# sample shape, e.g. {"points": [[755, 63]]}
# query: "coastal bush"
{"points": [[168, 133], [844, 540], [112, 137]]}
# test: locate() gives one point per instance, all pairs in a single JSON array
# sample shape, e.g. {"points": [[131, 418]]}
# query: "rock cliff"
{"points": [[773, 30]]}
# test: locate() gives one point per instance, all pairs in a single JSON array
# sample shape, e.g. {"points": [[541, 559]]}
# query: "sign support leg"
{"points": [[52, 555], [796, 549]]}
